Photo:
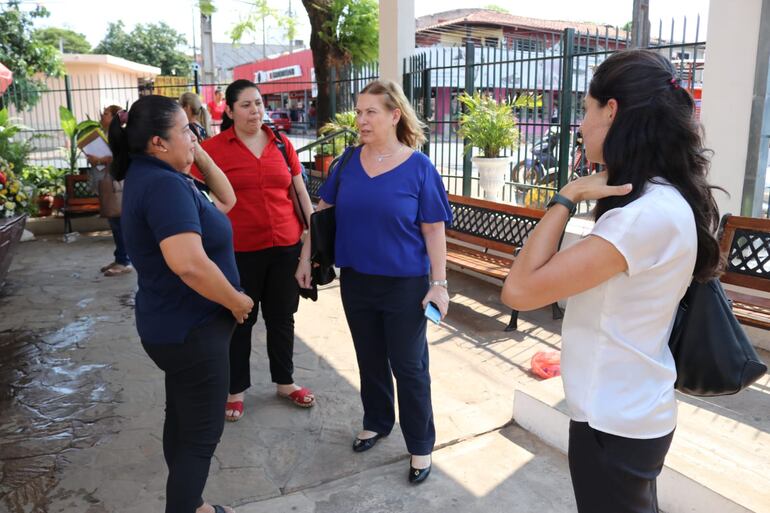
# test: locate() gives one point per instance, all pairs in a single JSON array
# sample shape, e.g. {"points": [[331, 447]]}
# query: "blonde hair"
{"points": [[410, 130], [193, 101]]}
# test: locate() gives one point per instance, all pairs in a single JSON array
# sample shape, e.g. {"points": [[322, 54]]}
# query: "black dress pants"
{"points": [[387, 322], [614, 474], [267, 276], [196, 380]]}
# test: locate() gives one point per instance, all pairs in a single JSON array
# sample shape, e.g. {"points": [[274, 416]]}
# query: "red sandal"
{"points": [[300, 397], [237, 407]]}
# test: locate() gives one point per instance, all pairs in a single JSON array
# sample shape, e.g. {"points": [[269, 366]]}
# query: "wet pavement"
{"points": [[81, 405]]}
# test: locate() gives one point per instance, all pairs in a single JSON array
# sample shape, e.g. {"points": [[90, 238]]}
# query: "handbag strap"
{"points": [[338, 164], [281, 145]]}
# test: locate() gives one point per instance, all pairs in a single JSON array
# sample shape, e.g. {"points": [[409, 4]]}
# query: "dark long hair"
{"points": [[655, 135], [149, 116], [231, 96]]}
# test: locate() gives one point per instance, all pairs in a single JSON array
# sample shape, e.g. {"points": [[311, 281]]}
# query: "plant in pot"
{"points": [[344, 122], [48, 183], [74, 131], [490, 126]]}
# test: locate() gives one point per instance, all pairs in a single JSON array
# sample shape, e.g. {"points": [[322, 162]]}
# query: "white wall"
{"points": [[728, 87], [397, 29]]}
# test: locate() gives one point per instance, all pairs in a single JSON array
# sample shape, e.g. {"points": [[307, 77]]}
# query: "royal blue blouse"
{"points": [[378, 219]]}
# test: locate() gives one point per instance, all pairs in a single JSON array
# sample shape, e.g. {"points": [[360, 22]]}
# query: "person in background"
{"points": [[216, 109], [267, 235], [187, 302], [122, 263], [654, 232], [389, 189], [200, 121]]}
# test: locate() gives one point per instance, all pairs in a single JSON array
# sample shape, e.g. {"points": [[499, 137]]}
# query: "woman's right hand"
{"points": [[303, 274], [242, 307]]}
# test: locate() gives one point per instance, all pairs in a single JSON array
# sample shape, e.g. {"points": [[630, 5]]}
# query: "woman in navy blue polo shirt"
{"points": [[188, 302], [391, 207]]}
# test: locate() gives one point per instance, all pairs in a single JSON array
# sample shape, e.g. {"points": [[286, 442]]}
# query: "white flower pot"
{"points": [[492, 173]]}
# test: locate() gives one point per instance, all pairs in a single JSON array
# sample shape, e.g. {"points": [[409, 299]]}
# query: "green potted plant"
{"points": [[48, 183], [490, 126], [74, 131], [343, 122]]}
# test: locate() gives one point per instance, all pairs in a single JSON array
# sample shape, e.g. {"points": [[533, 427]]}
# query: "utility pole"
{"points": [[291, 43], [207, 50], [640, 24]]}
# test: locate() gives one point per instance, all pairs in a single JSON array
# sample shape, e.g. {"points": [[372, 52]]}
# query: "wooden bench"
{"points": [[79, 199], [489, 226], [745, 243]]}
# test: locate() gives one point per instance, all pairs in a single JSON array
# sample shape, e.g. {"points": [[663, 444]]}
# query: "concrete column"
{"points": [[397, 28], [734, 98]]}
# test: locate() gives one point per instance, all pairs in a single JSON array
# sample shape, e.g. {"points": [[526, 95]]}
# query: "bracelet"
{"points": [[308, 260], [561, 200], [440, 283]]}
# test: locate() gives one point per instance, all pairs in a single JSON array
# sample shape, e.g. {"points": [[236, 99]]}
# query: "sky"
{"points": [[91, 17]]}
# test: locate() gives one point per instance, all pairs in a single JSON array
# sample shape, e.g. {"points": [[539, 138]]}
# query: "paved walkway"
{"points": [[82, 405]]}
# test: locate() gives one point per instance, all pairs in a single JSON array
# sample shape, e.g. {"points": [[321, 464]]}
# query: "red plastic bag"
{"points": [[546, 364]]}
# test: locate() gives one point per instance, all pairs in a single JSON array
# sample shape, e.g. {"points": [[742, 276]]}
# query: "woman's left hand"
{"points": [[593, 187], [439, 296], [303, 275]]}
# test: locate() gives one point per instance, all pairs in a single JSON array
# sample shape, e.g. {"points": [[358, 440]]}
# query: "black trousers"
{"points": [[267, 276], [388, 324], [614, 474], [197, 375]]}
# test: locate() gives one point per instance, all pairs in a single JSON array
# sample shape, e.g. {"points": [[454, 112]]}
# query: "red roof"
{"points": [[488, 17]]}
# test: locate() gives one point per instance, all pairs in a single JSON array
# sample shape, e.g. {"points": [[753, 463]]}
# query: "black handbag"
{"points": [[713, 355], [323, 228]]}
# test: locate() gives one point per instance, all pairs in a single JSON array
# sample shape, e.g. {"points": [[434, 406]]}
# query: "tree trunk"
{"points": [[325, 55]]}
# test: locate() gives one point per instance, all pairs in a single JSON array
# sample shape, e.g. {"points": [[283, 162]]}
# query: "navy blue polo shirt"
{"points": [[378, 219], [159, 202]]}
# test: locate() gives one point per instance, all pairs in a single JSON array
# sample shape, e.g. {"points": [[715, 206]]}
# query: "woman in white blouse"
{"points": [[655, 222]]}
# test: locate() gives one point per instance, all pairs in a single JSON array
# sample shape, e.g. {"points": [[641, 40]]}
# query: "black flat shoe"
{"points": [[418, 475], [361, 445]]}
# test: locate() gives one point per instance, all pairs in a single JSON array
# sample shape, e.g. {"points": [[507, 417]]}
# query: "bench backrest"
{"points": [[745, 243], [78, 191], [492, 225]]}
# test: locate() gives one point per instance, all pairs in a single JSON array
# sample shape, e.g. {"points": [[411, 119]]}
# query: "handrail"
{"points": [[326, 138]]}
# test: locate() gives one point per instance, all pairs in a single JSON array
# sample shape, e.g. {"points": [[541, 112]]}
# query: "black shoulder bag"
{"points": [[713, 355]]}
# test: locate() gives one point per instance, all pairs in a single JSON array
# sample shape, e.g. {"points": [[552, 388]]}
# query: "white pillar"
{"points": [[734, 53], [397, 28]]}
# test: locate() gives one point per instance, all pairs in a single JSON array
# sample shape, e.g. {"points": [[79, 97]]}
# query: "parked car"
{"points": [[266, 120], [281, 120]]}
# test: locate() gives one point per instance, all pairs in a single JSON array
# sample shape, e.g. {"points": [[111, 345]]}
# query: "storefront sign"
{"points": [[260, 77]]}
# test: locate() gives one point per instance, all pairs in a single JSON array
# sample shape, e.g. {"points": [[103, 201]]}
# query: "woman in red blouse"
{"points": [[266, 238]]}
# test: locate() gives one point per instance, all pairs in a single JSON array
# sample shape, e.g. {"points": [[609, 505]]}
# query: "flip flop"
{"points": [[108, 266], [117, 270], [218, 508], [300, 397], [236, 406]]}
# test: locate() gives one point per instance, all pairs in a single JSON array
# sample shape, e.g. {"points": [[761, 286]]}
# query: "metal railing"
{"points": [[546, 79]]}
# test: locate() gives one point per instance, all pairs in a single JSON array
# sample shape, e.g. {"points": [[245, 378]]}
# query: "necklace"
{"points": [[383, 156]]}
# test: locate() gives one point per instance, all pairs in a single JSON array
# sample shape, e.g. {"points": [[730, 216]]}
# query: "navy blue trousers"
{"points": [[120, 254], [387, 322], [197, 375]]}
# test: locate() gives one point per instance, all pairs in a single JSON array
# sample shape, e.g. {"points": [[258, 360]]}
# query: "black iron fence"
{"points": [[546, 79], [86, 96]]}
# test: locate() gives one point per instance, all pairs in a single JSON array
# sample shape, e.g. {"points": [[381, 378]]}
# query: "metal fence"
{"points": [[546, 79], [87, 95]]}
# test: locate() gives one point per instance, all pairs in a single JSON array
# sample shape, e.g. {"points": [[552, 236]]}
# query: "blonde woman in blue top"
{"points": [[389, 189]]}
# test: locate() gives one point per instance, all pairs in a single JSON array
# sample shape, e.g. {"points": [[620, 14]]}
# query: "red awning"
{"points": [[6, 77]]}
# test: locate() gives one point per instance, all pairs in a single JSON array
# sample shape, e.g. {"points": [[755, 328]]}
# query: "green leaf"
{"points": [[68, 123]]}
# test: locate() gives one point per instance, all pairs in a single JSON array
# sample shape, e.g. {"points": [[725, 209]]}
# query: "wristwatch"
{"points": [[561, 200], [440, 283]]}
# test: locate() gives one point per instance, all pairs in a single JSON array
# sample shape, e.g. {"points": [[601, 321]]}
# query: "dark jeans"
{"points": [[121, 256], [614, 474], [267, 276], [197, 374], [388, 325]]}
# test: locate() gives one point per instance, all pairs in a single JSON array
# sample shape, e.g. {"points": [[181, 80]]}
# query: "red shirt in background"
{"points": [[216, 109], [263, 215]]}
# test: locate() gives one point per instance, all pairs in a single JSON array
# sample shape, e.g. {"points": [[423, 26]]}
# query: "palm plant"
{"points": [[74, 130], [342, 121], [488, 124]]}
